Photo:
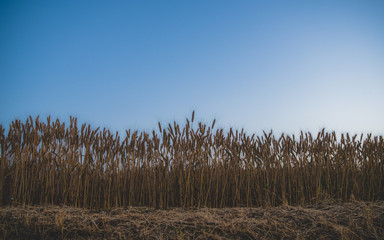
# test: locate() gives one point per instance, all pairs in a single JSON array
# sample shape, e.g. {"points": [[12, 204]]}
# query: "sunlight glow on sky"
{"points": [[258, 65]]}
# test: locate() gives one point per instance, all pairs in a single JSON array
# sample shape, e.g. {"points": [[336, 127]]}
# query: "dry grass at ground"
{"points": [[357, 220]]}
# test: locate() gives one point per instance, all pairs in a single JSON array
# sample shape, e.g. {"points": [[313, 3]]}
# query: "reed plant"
{"points": [[197, 165]]}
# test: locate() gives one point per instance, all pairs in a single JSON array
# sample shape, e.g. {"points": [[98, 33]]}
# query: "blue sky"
{"points": [[258, 65]]}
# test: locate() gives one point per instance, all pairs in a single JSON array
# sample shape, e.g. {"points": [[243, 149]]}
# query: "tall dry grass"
{"points": [[193, 166]]}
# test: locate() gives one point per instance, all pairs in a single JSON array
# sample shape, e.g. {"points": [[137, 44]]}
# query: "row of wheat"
{"points": [[49, 163]]}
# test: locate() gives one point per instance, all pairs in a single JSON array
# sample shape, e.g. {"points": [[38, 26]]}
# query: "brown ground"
{"points": [[358, 220]]}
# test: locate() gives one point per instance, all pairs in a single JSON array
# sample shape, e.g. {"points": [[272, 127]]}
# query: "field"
{"points": [[356, 220], [218, 178]]}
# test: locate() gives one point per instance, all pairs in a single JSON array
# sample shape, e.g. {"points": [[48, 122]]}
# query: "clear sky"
{"points": [[260, 65]]}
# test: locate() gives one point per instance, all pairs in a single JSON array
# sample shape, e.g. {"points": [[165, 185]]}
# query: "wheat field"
{"points": [[190, 166]]}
